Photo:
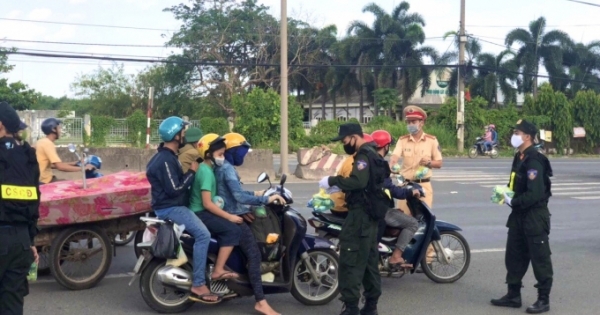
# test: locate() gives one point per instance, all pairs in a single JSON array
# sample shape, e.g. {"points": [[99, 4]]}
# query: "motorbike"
{"points": [[431, 232], [480, 149], [306, 261]]}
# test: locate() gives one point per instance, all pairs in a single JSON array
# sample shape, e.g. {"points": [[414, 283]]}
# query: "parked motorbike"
{"points": [[306, 261], [441, 235], [480, 149]]}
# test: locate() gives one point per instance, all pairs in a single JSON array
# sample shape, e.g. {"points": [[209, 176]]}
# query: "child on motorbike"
{"points": [[236, 199], [395, 217], [169, 186], [339, 198], [223, 225]]}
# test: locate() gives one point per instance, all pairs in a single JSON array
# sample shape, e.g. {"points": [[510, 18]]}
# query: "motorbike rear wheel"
{"points": [[473, 153], [153, 295], [323, 267], [446, 237], [122, 242]]}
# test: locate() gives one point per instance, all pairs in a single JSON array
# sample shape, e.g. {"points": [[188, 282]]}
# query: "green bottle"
{"points": [[32, 276]]}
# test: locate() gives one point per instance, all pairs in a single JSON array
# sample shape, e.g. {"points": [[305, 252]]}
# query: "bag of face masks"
{"points": [[321, 201], [498, 194]]}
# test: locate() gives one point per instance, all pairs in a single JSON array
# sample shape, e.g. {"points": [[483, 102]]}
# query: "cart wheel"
{"points": [[80, 257], [128, 238]]}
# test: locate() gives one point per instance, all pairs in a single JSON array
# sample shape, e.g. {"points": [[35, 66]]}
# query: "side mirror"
{"points": [[71, 148], [262, 177], [283, 179]]}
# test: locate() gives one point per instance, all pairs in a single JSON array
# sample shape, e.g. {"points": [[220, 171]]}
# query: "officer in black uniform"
{"points": [[359, 258], [529, 222], [19, 211]]}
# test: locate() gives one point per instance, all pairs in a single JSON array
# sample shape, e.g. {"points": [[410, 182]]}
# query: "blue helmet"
{"points": [[94, 161], [170, 127], [49, 125]]}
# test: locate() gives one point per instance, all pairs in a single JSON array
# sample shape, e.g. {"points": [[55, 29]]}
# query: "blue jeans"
{"points": [[195, 227], [488, 145]]}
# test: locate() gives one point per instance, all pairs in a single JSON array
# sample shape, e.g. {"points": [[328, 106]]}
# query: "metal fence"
{"points": [[72, 131], [119, 133]]}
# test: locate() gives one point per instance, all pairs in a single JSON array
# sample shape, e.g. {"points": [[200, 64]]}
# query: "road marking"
{"points": [[587, 198], [489, 250]]}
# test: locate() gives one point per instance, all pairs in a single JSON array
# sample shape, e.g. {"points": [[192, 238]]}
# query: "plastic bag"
{"points": [[421, 172], [396, 168], [498, 194], [33, 271], [321, 201], [218, 200]]}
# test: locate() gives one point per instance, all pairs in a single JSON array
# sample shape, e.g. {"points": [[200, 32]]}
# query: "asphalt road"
{"points": [[462, 194]]}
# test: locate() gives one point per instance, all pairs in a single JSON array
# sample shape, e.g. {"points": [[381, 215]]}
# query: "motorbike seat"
{"points": [[332, 218]]}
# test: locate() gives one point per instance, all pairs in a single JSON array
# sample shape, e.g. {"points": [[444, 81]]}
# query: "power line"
{"points": [[87, 24], [526, 26]]}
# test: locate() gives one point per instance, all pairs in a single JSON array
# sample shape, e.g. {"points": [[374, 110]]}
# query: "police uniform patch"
{"points": [[361, 165], [532, 174]]}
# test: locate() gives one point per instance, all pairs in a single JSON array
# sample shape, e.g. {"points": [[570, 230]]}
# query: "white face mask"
{"points": [[516, 141], [219, 161]]}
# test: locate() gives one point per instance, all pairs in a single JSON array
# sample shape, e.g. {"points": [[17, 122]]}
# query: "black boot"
{"points": [[540, 306], [511, 299], [350, 309], [370, 308]]}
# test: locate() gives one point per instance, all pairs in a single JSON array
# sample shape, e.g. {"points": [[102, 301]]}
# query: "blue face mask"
{"points": [[412, 129]]}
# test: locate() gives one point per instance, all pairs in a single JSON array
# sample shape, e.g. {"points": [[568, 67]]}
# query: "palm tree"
{"points": [[536, 46], [583, 62], [392, 40], [472, 49], [493, 72]]}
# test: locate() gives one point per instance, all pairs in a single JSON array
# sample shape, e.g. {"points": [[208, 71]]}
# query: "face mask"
{"points": [[516, 141], [412, 129], [219, 161], [350, 148]]}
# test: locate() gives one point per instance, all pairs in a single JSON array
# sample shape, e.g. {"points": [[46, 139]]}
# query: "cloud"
{"points": [[39, 14], [65, 32], [144, 4], [77, 1], [14, 14], [76, 16]]}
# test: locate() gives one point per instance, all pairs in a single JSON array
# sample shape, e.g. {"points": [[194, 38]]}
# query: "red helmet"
{"points": [[381, 138], [367, 137]]}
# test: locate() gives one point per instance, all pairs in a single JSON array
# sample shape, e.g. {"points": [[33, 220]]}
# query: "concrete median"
{"points": [[317, 162], [135, 160]]}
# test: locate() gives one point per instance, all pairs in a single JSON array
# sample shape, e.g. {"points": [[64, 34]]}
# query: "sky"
{"points": [[486, 19]]}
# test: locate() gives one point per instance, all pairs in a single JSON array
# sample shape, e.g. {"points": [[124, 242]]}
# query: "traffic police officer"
{"points": [[19, 211], [529, 222], [417, 149], [358, 246]]}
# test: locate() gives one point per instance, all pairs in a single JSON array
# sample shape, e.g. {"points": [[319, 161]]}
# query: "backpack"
{"points": [[20, 183], [494, 136], [377, 202], [266, 222]]}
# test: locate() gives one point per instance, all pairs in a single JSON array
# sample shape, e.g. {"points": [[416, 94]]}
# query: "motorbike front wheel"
{"points": [[160, 298], [459, 258], [494, 154], [472, 153], [325, 262]]}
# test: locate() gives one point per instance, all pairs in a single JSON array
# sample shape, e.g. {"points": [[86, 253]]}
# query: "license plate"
{"points": [[138, 265], [19, 192]]}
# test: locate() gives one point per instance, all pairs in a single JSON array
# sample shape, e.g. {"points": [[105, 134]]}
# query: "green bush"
{"points": [[100, 127], [137, 124], [218, 125]]}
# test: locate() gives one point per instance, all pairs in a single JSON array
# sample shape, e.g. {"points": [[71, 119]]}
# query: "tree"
{"points": [[586, 114], [110, 91], [4, 66], [394, 39], [536, 46], [495, 72], [583, 62], [472, 50], [18, 95], [386, 98]]}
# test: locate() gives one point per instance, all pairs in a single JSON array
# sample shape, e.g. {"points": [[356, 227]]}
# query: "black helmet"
{"points": [[49, 125], [9, 118]]}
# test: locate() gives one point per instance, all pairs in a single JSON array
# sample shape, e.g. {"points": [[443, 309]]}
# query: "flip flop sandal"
{"points": [[201, 298], [226, 276]]}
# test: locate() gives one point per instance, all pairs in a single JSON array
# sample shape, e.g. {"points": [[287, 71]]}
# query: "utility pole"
{"points": [[149, 115], [284, 90], [460, 108]]}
